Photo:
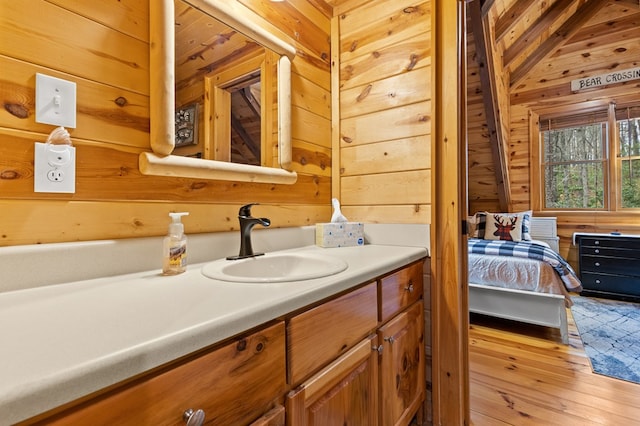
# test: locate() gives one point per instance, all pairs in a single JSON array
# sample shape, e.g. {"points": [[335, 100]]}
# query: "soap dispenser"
{"points": [[174, 250]]}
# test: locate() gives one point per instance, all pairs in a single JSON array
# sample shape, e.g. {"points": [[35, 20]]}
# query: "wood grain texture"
{"points": [[109, 62], [608, 41], [321, 334], [87, 220], [399, 290], [448, 265], [402, 366], [274, 417], [346, 392], [234, 384], [522, 374]]}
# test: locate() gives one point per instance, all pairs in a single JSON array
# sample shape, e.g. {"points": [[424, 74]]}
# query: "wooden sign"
{"points": [[605, 79]]}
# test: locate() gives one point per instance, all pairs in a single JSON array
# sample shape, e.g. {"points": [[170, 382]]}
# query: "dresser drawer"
{"points": [[610, 252], [611, 283], [614, 242], [399, 290], [611, 265], [320, 335]]}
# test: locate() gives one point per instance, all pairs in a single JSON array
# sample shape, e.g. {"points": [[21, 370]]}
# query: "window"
{"points": [[628, 131], [590, 161]]}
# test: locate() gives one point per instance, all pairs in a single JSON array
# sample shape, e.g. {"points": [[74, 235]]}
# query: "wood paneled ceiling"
{"points": [[533, 49], [545, 45]]}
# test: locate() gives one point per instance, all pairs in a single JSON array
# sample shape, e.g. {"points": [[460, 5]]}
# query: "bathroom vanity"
{"points": [[147, 349]]}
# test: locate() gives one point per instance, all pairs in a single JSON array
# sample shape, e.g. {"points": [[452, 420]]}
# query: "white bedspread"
{"points": [[516, 273]]}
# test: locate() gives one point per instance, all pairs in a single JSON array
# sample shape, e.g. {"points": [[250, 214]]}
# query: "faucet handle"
{"points": [[245, 211]]}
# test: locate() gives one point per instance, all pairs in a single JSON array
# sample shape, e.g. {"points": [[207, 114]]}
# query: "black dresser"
{"points": [[609, 265]]}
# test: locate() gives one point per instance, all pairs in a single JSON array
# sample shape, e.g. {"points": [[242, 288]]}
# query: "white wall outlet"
{"points": [[54, 168], [55, 101]]}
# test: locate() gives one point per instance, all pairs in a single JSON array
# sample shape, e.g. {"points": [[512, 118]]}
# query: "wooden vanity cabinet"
{"points": [[354, 359], [380, 380], [236, 384]]}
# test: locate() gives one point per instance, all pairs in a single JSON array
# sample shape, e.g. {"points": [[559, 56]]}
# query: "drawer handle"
{"points": [[597, 263], [596, 242], [597, 251], [597, 281], [193, 418], [409, 288]]}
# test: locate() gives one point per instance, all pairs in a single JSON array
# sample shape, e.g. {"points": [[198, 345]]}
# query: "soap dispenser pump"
{"points": [[174, 255]]}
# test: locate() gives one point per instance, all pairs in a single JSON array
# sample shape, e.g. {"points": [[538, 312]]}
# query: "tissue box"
{"points": [[342, 234]]}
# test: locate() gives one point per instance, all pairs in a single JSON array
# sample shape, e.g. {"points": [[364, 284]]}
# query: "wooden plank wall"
{"points": [[385, 110], [104, 48], [482, 186], [382, 91]]}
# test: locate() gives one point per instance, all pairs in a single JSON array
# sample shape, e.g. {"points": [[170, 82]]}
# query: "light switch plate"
{"points": [[54, 168], [55, 101]]}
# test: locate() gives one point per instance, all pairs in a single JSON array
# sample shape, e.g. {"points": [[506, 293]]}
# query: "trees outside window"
{"points": [[629, 135], [586, 166], [575, 167]]}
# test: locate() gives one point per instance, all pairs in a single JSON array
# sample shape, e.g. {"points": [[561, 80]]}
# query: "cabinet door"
{"points": [[402, 379], [234, 384], [344, 393]]}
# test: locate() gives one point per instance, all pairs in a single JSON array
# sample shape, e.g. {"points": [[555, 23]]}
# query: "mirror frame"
{"points": [[161, 162]]}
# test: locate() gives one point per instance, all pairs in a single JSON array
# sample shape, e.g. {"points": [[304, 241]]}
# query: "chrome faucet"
{"points": [[246, 223]]}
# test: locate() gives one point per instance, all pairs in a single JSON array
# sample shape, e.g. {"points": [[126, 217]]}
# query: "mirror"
{"points": [[192, 129]]}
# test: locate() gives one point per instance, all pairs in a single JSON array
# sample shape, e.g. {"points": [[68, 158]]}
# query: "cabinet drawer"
{"points": [[611, 283], [610, 265], [235, 384], [320, 335], [399, 290]]}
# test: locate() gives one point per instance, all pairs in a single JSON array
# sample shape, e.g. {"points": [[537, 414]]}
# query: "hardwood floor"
{"points": [[524, 375]]}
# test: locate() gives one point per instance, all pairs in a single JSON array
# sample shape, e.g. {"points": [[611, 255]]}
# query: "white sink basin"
{"points": [[274, 268]]}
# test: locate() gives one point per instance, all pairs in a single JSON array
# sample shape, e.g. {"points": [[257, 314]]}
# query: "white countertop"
{"points": [[64, 341]]}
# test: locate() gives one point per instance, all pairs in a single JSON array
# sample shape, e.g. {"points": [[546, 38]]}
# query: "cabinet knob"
{"points": [[389, 339], [409, 288], [193, 418], [597, 281], [378, 348], [597, 263], [596, 251], [596, 242]]}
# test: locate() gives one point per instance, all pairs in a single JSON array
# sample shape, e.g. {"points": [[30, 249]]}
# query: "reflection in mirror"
{"points": [[246, 146], [231, 95], [221, 59]]}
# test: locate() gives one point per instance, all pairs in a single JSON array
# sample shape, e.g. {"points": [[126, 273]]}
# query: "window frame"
{"points": [[612, 170]]}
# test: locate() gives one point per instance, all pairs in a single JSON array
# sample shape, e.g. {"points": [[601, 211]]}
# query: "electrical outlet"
{"points": [[54, 168], [55, 101]]}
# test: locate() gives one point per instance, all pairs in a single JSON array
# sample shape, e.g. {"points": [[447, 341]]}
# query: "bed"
{"points": [[526, 281]]}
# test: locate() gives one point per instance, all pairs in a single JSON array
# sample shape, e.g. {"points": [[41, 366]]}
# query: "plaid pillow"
{"points": [[481, 224]]}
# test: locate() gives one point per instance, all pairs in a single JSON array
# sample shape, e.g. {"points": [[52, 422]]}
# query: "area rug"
{"points": [[610, 331]]}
